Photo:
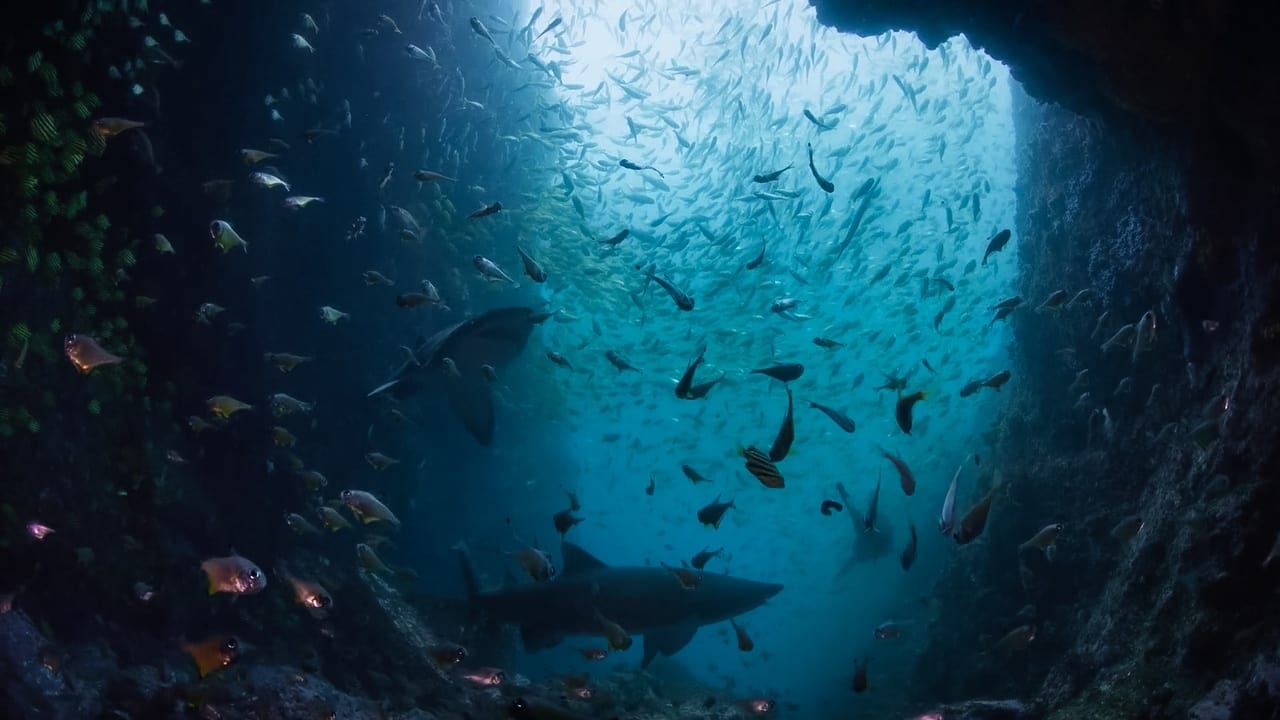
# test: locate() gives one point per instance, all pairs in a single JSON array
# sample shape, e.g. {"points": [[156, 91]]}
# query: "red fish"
{"points": [[213, 654], [233, 574], [485, 677], [86, 354]]}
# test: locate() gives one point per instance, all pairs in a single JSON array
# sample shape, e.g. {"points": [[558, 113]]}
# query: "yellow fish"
{"points": [[213, 654], [281, 437], [253, 157], [225, 237], [378, 461], [367, 508], [313, 480], [233, 574], [224, 406], [310, 595], [331, 519], [286, 362], [109, 127]]}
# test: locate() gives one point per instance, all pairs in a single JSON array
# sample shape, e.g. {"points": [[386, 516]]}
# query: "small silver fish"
{"points": [[490, 271]]}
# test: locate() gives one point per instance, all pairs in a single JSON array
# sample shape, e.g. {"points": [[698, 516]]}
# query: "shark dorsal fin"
{"points": [[578, 561]]}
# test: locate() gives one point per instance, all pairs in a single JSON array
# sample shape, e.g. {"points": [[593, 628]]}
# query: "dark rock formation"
{"points": [[1204, 68], [35, 677], [1155, 195], [988, 710], [1143, 627], [1256, 697]]}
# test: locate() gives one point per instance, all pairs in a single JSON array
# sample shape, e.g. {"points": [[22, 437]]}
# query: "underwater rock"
{"points": [[37, 679], [1254, 697], [988, 710], [1114, 214], [1196, 68], [286, 693]]}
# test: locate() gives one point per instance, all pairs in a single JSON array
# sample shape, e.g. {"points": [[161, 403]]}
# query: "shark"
{"points": [[494, 338], [868, 545], [648, 601]]}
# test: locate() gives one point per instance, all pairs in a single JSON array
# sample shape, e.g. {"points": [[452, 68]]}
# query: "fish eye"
{"points": [[255, 575], [345, 494], [230, 644], [459, 654]]}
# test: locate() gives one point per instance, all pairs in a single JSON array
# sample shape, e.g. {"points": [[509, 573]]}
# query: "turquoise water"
{"points": [[861, 261], [724, 94]]}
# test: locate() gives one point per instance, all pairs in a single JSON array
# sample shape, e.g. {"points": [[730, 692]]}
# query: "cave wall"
{"points": [[1203, 70], [1146, 627], [1145, 174]]}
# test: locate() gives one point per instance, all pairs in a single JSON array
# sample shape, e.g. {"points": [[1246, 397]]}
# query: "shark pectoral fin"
{"points": [[384, 387], [578, 561], [848, 565], [668, 641], [472, 403], [536, 638]]}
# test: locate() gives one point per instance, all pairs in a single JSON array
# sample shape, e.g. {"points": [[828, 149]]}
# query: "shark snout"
{"points": [[768, 590], [748, 595]]}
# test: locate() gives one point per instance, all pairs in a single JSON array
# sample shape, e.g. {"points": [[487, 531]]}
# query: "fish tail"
{"points": [[470, 581]]}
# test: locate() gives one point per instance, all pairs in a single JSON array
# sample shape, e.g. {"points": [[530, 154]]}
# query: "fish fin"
{"points": [[470, 580], [578, 561], [383, 388], [844, 494], [845, 568], [472, 402], [668, 641]]}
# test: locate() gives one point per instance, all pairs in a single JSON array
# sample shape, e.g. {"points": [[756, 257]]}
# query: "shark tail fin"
{"points": [[470, 581]]}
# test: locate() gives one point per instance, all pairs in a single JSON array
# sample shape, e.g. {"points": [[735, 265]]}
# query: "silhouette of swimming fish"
{"points": [[493, 338]]}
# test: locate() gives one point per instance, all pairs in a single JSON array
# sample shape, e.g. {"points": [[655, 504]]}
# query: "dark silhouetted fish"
{"points": [[996, 243], [836, 416], [902, 411], [825, 184], [493, 338], [644, 600], [784, 372], [699, 391], [786, 433], [866, 546], [770, 176], [686, 381], [908, 557]]}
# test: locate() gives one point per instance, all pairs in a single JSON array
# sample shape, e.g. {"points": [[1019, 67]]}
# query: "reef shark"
{"points": [[868, 545], [494, 338], [648, 601]]}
